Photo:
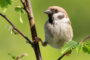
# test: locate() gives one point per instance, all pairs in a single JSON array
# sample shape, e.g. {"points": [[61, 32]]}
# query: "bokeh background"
{"points": [[79, 14]]}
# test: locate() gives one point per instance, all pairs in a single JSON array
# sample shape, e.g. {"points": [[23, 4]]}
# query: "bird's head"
{"points": [[56, 13]]}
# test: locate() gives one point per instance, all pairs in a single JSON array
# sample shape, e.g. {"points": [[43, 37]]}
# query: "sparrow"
{"points": [[58, 29]]}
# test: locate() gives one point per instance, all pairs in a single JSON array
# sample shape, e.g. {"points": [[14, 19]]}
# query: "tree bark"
{"points": [[28, 9]]}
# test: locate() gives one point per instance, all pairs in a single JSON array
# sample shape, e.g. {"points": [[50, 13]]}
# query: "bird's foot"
{"points": [[37, 39], [44, 44]]}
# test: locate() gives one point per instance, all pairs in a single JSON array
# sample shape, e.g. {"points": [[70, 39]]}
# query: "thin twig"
{"points": [[29, 41], [29, 12], [62, 56], [21, 56], [24, 4], [86, 38]]}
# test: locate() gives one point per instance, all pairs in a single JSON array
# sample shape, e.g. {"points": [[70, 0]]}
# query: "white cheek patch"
{"points": [[62, 20], [55, 16]]}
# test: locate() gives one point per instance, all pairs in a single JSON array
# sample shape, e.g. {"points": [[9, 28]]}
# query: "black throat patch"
{"points": [[50, 16]]}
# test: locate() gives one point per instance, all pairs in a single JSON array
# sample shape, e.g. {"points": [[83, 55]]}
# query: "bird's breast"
{"points": [[57, 34], [57, 30]]}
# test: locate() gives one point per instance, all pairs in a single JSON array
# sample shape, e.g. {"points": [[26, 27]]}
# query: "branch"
{"points": [[28, 9], [62, 56], [86, 38], [16, 29]]}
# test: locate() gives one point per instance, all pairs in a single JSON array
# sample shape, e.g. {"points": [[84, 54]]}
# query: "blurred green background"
{"points": [[79, 14]]}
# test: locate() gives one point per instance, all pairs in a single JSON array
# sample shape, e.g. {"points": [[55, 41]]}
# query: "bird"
{"points": [[58, 28]]}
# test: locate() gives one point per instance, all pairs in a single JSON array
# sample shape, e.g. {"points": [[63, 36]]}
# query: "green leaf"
{"points": [[79, 47], [70, 51], [4, 10], [21, 19], [22, 10], [19, 9], [69, 46], [13, 57], [86, 48], [12, 30], [4, 3]]}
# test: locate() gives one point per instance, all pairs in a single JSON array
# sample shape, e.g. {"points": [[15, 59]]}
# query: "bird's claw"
{"points": [[37, 39]]}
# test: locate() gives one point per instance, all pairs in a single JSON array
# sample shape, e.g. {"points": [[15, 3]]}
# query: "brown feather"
{"points": [[60, 9]]}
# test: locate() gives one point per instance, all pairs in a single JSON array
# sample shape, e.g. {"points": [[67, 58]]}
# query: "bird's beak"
{"points": [[48, 12]]}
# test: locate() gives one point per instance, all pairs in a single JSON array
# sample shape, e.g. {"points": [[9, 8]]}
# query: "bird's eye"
{"points": [[54, 10]]}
